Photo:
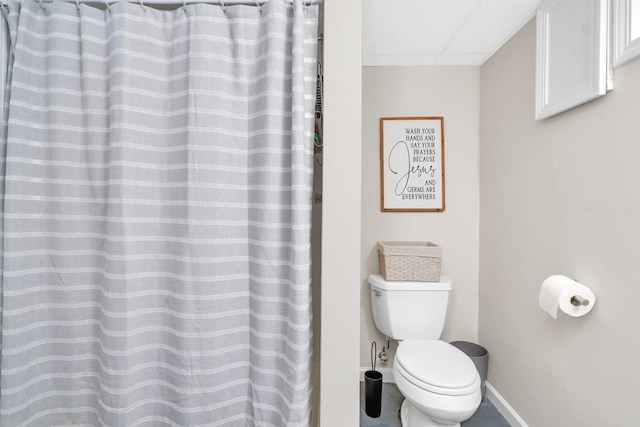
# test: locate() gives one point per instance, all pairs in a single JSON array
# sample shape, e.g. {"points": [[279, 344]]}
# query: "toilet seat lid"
{"points": [[438, 366]]}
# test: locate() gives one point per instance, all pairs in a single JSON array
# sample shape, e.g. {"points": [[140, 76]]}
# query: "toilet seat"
{"points": [[437, 366]]}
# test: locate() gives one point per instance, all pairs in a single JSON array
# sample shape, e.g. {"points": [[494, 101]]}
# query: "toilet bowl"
{"points": [[439, 382]]}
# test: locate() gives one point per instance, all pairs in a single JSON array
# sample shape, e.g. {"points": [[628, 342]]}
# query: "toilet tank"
{"points": [[410, 310]]}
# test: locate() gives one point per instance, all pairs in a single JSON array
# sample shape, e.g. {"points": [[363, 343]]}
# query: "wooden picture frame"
{"points": [[572, 64], [412, 164]]}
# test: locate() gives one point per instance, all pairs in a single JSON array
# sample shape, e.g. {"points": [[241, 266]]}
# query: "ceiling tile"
{"points": [[491, 24], [439, 32], [402, 27]]}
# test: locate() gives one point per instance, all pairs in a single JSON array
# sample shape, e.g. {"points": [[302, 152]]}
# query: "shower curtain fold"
{"points": [[157, 212]]}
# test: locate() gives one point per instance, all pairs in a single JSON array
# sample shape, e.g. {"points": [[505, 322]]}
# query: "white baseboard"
{"points": [[387, 374], [503, 407]]}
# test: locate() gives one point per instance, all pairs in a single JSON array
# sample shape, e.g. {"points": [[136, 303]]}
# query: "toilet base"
{"points": [[410, 416]]}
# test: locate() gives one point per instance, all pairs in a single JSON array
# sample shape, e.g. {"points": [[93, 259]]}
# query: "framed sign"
{"points": [[412, 164]]}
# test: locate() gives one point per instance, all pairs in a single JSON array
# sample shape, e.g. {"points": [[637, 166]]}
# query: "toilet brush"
{"points": [[373, 387]]}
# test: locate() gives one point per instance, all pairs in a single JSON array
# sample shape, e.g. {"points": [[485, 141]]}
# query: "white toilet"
{"points": [[440, 383]]}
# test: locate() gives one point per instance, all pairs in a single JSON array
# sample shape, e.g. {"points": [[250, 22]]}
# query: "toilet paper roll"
{"points": [[557, 291]]}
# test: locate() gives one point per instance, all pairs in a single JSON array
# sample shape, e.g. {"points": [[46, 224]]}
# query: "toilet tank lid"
{"points": [[377, 281]]}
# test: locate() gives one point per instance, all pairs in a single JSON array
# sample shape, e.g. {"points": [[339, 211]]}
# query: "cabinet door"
{"points": [[571, 62]]}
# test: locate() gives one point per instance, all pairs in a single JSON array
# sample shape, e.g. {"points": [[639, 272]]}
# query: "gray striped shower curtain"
{"points": [[156, 216]]}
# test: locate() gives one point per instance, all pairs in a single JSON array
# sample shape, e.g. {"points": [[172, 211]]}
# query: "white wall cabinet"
{"points": [[572, 48]]}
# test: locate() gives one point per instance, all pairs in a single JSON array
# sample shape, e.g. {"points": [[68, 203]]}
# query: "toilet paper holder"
{"points": [[562, 293], [577, 300]]}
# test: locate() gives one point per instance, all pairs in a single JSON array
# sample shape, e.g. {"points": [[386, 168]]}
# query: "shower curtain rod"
{"points": [[180, 2]]}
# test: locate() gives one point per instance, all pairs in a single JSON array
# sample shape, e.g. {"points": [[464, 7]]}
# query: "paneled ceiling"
{"points": [[439, 32]]}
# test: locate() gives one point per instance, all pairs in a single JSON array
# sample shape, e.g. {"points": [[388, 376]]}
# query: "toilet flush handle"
{"points": [[376, 292]]}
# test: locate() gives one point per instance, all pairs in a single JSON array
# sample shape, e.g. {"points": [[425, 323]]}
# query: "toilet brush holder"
{"points": [[373, 393], [373, 387]]}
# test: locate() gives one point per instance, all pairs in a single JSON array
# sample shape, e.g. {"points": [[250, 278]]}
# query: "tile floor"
{"points": [[486, 415]]}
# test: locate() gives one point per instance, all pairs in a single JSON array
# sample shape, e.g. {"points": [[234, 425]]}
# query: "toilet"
{"points": [[440, 383]]}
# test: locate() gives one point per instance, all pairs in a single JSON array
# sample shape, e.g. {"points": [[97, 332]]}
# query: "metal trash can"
{"points": [[478, 355]]}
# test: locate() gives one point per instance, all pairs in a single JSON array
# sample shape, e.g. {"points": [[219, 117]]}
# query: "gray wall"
{"points": [[560, 196], [452, 92]]}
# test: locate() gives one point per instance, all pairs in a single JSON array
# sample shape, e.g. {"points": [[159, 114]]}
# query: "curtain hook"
{"points": [[108, 6], [222, 6], [259, 6], [40, 3], [184, 6], [142, 6], [78, 4]]}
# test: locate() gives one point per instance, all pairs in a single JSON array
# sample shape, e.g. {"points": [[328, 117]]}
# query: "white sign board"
{"points": [[412, 164]]}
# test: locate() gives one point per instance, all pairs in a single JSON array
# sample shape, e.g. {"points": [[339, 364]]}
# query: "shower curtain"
{"points": [[156, 217]]}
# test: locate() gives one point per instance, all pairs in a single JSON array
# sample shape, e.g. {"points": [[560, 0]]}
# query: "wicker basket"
{"points": [[410, 261]]}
